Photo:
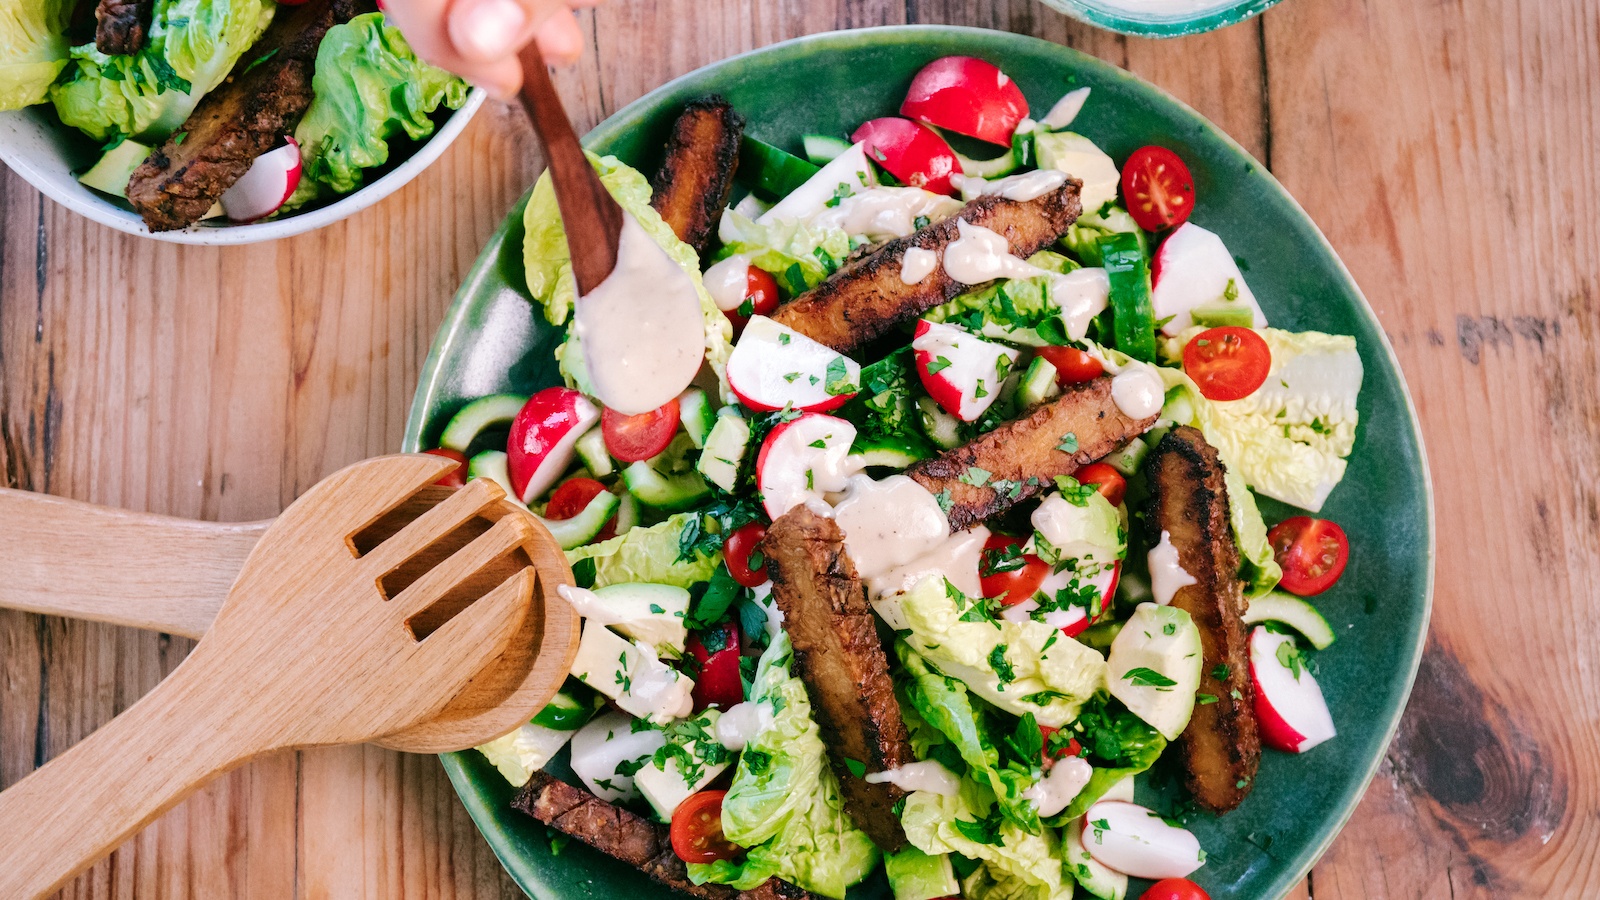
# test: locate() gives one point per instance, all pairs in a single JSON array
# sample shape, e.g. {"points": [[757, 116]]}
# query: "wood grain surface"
{"points": [[1448, 150]]}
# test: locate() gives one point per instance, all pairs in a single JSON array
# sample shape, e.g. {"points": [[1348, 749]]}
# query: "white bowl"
{"points": [[48, 155]]}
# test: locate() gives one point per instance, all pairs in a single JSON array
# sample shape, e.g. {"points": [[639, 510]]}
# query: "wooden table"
{"points": [[1447, 149]]}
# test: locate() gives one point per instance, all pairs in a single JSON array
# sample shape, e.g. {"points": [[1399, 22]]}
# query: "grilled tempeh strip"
{"points": [[1023, 456], [241, 119], [630, 838], [692, 185], [842, 663], [868, 297], [122, 27], [1221, 748]]}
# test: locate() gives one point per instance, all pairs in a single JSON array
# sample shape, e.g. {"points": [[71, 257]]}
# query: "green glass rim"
{"points": [[1159, 25]]}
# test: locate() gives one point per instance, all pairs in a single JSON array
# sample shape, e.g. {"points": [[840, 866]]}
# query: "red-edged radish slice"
{"points": [[803, 459], [1289, 705], [265, 186], [962, 372], [773, 367], [542, 437], [968, 96], [1193, 268], [911, 152], [1073, 620], [1133, 840]]}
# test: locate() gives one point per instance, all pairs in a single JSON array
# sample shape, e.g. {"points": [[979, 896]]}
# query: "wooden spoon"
{"points": [[345, 626]]}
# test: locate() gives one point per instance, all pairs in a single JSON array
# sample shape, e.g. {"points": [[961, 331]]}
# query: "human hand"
{"points": [[479, 39]]}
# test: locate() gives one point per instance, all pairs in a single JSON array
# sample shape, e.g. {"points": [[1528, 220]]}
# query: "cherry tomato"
{"points": [[968, 96], [717, 683], [571, 497], [1227, 363], [1006, 574], [634, 438], [1174, 889], [1312, 553], [745, 564], [1073, 366], [761, 291], [1107, 480], [910, 152], [457, 477], [1158, 188], [1072, 748], [697, 829]]}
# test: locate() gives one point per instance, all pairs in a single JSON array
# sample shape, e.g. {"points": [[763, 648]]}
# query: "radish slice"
{"points": [[543, 437], [1130, 839], [775, 367], [804, 459], [1193, 268], [266, 186], [1294, 717], [963, 373]]}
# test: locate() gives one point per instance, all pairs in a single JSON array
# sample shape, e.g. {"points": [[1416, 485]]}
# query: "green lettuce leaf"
{"points": [[886, 407], [1017, 310], [798, 255], [649, 555], [193, 46], [370, 87], [968, 823], [1119, 743], [987, 883], [33, 49]]}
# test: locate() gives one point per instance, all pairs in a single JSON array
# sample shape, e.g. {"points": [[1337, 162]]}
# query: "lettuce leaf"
{"points": [[1119, 744], [987, 883], [33, 49], [1018, 310], [649, 555], [798, 255], [968, 823]]}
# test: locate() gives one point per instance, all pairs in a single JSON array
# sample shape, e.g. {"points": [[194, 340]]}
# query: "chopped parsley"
{"points": [[1141, 676], [983, 831], [1069, 443], [856, 767], [1003, 669], [1073, 492], [839, 380], [938, 365], [974, 476]]}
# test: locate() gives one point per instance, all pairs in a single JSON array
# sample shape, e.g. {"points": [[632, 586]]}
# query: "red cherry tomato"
{"points": [[697, 830], [457, 477], [1008, 575], [717, 683], [737, 551], [1227, 363], [1158, 188], [761, 290], [1073, 366], [1174, 889], [1107, 480], [1312, 552], [968, 96], [634, 438], [1072, 748], [910, 152], [571, 497]]}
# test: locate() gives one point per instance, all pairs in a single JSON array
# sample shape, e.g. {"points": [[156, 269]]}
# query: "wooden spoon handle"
{"points": [[66, 558]]}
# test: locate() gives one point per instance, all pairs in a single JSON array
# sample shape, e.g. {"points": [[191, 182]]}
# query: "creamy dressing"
{"points": [[1065, 110], [955, 560], [740, 725], [888, 523], [1057, 789], [928, 775], [588, 605], [1023, 186], [917, 265], [642, 331], [728, 281], [1138, 390], [1167, 573], [884, 213], [980, 255], [799, 473], [656, 690], [974, 367], [1081, 294]]}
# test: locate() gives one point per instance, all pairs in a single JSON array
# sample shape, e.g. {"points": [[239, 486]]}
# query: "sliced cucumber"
{"points": [[479, 416], [895, 452], [564, 712], [940, 427], [723, 455], [914, 875], [592, 451], [1022, 143], [585, 526], [822, 149], [1293, 612], [770, 172], [1133, 318], [1217, 315], [667, 481], [694, 410], [112, 172], [1130, 457], [627, 514], [492, 464], [1001, 165], [1038, 383]]}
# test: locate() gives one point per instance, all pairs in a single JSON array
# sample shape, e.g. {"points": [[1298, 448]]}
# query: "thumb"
{"points": [[487, 31]]}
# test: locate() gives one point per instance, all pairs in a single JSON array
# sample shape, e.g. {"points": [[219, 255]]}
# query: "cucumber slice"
{"points": [[914, 875], [1133, 318], [822, 149], [940, 427], [591, 449], [1293, 612], [1038, 383], [585, 526], [697, 416], [1217, 315], [667, 481], [479, 416], [770, 172], [492, 464], [1128, 459], [892, 452], [723, 455], [627, 514], [564, 712], [112, 172], [988, 168], [1022, 144]]}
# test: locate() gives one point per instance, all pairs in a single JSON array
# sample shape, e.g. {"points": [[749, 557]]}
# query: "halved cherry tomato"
{"points": [[1007, 574], [739, 552], [761, 292], [571, 497], [911, 152], [457, 477], [1227, 363], [1073, 366], [1072, 748], [697, 830], [1158, 188], [717, 683], [968, 96], [1312, 552], [1175, 889], [633, 438], [1107, 481]]}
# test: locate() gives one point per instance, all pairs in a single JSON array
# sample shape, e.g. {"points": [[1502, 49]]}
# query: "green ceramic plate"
{"points": [[1162, 19], [492, 341]]}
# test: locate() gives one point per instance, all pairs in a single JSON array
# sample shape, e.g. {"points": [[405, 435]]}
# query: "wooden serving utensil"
{"points": [[360, 613]]}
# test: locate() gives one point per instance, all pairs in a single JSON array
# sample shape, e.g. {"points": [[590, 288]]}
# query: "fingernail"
{"points": [[487, 29]]}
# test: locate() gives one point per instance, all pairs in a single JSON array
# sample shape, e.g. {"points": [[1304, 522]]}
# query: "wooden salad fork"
{"points": [[363, 611]]}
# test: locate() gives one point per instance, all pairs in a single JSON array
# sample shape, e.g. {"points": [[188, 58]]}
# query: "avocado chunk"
{"points": [[1154, 667]]}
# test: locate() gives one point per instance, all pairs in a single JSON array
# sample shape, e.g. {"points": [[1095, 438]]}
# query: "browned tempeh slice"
{"points": [[1021, 458], [842, 663], [122, 26], [622, 835], [692, 185], [1221, 748], [868, 297]]}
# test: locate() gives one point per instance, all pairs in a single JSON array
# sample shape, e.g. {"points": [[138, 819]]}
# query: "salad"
{"points": [[236, 109], [954, 533]]}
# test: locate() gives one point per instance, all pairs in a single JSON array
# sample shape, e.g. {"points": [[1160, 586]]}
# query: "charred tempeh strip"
{"points": [[1221, 747], [867, 297], [692, 185], [842, 663], [1021, 458], [122, 26]]}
